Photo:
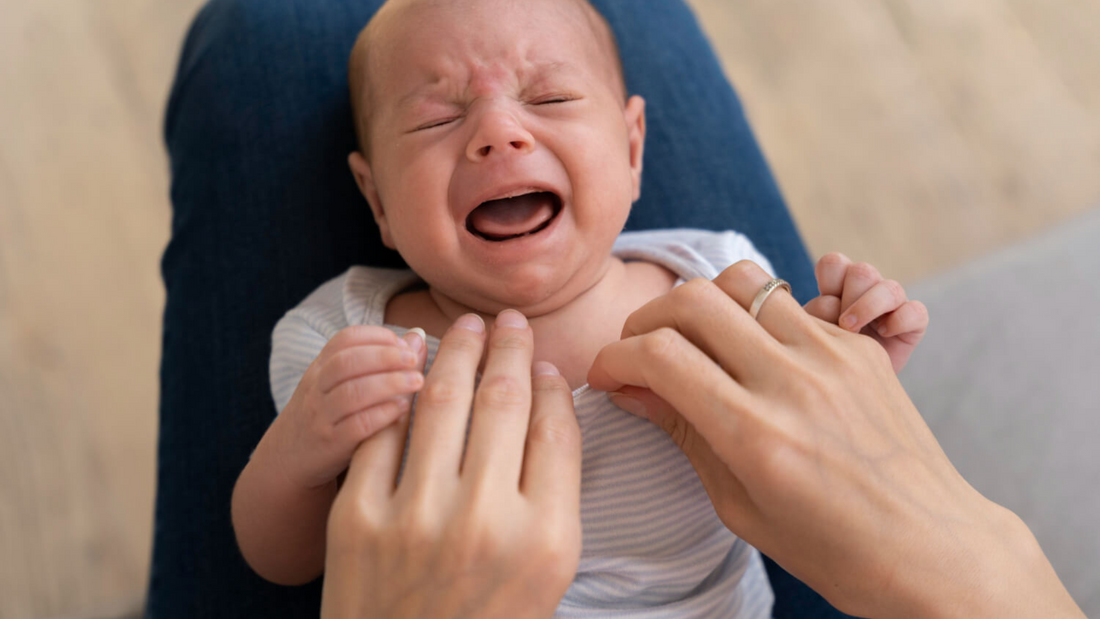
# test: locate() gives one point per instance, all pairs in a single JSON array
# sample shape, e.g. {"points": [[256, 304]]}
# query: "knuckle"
{"points": [[359, 392], [557, 550], [503, 391], [558, 431], [679, 431], [417, 523], [864, 271], [354, 519], [738, 271], [781, 460], [692, 289], [464, 341], [897, 292], [366, 422], [341, 363], [656, 344], [441, 391], [694, 294], [359, 332], [549, 383], [512, 339]]}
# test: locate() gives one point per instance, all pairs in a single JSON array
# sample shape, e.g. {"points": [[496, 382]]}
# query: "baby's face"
{"points": [[503, 158]]}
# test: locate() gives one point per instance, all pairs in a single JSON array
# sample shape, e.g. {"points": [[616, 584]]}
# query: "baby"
{"points": [[500, 155]]}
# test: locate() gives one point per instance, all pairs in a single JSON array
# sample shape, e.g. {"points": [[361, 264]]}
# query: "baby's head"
{"points": [[499, 152]]}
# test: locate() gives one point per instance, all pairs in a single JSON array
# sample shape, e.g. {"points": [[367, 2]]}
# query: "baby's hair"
{"points": [[359, 68]]}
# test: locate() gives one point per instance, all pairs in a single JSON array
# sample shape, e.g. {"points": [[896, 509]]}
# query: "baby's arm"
{"points": [[360, 382], [857, 298]]}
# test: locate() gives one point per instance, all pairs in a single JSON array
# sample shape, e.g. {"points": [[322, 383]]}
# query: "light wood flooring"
{"points": [[914, 134]]}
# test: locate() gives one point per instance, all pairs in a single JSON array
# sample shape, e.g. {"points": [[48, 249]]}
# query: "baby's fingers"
{"points": [[826, 307], [361, 360], [361, 393], [909, 321], [830, 271], [882, 298], [359, 426]]}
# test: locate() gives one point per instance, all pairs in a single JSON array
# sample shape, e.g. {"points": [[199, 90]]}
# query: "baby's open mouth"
{"points": [[514, 217]]}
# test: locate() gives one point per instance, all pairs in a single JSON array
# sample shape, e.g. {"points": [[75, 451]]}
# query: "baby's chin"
{"points": [[532, 291]]}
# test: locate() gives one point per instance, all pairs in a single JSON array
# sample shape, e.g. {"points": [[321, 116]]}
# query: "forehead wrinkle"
{"points": [[580, 13]]}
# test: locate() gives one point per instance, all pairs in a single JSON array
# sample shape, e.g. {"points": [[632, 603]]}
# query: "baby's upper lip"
{"points": [[510, 190]]}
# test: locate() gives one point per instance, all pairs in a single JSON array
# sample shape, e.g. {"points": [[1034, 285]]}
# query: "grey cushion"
{"points": [[1008, 378]]}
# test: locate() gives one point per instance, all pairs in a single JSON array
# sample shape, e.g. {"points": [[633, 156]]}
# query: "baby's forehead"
{"points": [[543, 38]]}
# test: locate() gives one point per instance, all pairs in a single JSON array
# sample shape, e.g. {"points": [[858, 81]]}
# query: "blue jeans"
{"points": [[264, 210]]}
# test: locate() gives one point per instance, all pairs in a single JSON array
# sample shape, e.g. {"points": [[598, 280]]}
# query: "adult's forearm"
{"points": [[280, 527]]}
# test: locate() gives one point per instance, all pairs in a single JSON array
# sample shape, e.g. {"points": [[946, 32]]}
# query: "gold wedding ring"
{"points": [[762, 296]]}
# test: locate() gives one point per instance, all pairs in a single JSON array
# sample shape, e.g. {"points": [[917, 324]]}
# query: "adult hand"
{"points": [[811, 451], [492, 530]]}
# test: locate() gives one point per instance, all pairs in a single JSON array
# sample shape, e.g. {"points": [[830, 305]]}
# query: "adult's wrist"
{"points": [[995, 569]]}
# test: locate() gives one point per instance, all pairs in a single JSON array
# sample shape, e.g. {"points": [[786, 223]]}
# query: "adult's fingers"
{"points": [[502, 406], [780, 315], [731, 500], [552, 460], [669, 365], [723, 331], [375, 463], [443, 404]]}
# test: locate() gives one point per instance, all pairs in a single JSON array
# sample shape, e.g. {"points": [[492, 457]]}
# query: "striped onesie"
{"points": [[652, 543]]}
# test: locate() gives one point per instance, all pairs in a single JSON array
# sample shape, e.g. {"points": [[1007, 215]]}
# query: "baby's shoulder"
{"points": [[689, 251], [357, 296]]}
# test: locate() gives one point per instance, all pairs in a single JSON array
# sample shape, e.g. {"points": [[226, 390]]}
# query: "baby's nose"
{"points": [[500, 132]]}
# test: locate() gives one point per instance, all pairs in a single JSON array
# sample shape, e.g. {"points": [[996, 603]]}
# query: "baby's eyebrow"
{"points": [[534, 75]]}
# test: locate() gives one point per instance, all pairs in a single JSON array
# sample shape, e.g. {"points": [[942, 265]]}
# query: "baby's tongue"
{"points": [[513, 216]]}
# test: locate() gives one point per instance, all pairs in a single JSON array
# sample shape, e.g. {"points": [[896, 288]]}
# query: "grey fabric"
{"points": [[1008, 378]]}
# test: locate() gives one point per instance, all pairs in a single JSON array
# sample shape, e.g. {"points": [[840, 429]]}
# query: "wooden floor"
{"points": [[914, 134]]}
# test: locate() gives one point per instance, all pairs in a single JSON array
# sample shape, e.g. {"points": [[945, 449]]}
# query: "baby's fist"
{"points": [[361, 382], [858, 299]]}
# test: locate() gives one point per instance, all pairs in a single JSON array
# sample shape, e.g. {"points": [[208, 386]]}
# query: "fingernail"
{"points": [[881, 329], [416, 338], [512, 319], [849, 321], [414, 379], [544, 368], [628, 404], [472, 322], [408, 357]]}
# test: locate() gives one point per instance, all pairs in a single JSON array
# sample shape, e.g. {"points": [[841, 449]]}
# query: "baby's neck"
{"points": [[570, 336]]}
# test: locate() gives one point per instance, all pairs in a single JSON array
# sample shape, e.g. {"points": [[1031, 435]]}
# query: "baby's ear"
{"points": [[360, 169], [634, 114]]}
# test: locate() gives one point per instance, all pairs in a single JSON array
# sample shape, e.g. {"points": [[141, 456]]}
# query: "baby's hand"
{"points": [[361, 382], [857, 298]]}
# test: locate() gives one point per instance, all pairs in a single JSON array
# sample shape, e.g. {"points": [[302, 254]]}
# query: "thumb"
{"points": [[653, 408], [730, 498], [643, 403]]}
